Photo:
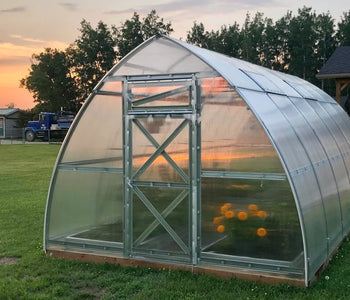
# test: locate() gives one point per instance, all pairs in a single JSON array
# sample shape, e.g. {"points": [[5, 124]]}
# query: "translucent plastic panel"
{"points": [[232, 138], [148, 233], [340, 117], [161, 57], [320, 165], [112, 86], [97, 139], [224, 65], [343, 148], [331, 148], [304, 182], [86, 205], [169, 95], [177, 152], [250, 218], [306, 89], [264, 82]]}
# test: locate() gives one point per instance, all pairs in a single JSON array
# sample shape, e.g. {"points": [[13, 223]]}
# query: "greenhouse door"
{"points": [[161, 167]]}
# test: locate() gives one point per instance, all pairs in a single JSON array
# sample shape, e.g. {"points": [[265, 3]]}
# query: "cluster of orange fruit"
{"points": [[228, 213]]}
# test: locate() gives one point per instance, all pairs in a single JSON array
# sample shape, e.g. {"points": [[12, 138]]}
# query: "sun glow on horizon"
{"points": [[15, 61]]}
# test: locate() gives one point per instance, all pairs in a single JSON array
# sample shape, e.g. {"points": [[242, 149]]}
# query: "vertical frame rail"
{"points": [[127, 172], [195, 166]]}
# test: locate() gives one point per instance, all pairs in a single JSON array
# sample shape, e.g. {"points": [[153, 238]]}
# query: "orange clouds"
{"points": [[15, 61]]}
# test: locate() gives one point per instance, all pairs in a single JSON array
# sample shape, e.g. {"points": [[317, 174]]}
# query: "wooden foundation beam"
{"points": [[222, 272]]}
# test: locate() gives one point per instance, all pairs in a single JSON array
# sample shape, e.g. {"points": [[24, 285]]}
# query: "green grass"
{"points": [[25, 172]]}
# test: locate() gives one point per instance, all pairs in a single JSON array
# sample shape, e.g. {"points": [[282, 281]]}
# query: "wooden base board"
{"points": [[222, 272]]}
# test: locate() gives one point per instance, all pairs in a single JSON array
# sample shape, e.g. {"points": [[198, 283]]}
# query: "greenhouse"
{"points": [[189, 159]]}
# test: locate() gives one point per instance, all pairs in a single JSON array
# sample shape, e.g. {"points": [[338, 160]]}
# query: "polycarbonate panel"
{"points": [[148, 233], [343, 148], [175, 94], [160, 56], [341, 118], [251, 218], [264, 82], [232, 138], [320, 165], [334, 156], [97, 139], [86, 205], [160, 129], [272, 76], [303, 179], [305, 89], [223, 65]]}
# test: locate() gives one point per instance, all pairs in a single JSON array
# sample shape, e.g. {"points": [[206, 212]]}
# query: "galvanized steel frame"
{"points": [[132, 111]]}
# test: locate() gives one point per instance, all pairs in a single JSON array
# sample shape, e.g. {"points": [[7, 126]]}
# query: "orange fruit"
{"points": [[261, 232], [242, 215], [220, 228], [229, 214]]}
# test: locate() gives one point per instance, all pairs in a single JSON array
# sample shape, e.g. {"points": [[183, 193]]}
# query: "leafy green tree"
{"points": [[228, 40], [302, 38], [197, 35], [252, 38], [135, 31], [51, 82], [91, 56], [343, 34]]}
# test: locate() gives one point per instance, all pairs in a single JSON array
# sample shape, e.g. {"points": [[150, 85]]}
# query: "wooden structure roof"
{"points": [[338, 68]]}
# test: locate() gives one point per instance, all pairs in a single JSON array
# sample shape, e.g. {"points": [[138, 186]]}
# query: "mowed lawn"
{"points": [[26, 273]]}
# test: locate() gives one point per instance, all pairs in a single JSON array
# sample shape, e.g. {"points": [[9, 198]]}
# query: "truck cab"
{"points": [[49, 125]]}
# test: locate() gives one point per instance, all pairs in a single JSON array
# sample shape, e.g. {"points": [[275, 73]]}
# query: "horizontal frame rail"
{"points": [[244, 175], [67, 167], [160, 184]]}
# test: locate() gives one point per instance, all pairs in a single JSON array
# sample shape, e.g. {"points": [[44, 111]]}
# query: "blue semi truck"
{"points": [[49, 126]]}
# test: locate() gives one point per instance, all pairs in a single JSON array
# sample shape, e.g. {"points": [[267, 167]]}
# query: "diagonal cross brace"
{"points": [[165, 155], [161, 220], [160, 150], [164, 214]]}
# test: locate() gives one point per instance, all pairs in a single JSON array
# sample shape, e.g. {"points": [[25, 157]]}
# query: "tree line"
{"points": [[296, 44]]}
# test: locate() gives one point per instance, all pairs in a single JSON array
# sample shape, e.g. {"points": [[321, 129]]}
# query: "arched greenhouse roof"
{"points": [[307, 128]]}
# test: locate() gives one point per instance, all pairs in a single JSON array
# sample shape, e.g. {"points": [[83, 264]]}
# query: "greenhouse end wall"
{"points": [[203, 162]]}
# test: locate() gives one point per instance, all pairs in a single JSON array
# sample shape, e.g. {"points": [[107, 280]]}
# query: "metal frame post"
{"points": [[127, 172]]}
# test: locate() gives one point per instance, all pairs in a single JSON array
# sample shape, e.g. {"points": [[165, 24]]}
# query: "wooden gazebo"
{"points": [[338, 68]]}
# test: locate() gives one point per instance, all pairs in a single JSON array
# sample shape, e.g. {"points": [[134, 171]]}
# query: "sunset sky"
{"points": [[27, 27]]}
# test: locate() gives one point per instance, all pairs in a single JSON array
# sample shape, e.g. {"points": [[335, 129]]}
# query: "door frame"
{"points": [[191, 115]]}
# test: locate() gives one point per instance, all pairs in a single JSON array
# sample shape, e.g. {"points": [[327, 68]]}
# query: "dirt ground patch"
{"points": [[7, 260]]}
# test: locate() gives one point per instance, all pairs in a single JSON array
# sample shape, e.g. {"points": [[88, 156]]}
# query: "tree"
{"points": [[301, 40], [197, 35], [343, 34], [50, 81], [91, 56], [135, 31]]}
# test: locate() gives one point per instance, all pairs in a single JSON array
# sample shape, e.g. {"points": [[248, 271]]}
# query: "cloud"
{"points": [[31, 40], [68, 6], [196, 7], [14, 9], [14, 54]]}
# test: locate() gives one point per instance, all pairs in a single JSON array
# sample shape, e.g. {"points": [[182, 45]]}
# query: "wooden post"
{"points": [[338, 91], [340, 85]]}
